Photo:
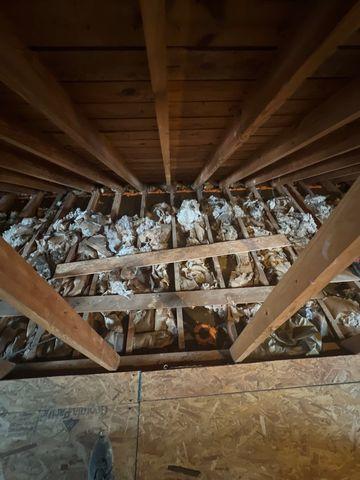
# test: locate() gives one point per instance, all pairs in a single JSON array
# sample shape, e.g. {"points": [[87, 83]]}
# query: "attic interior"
{"points": [[179, 188]]}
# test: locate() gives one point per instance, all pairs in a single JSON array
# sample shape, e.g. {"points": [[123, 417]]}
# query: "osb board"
{"points": [[48, 426], [294, 434], [55, 443], [62, 391], [192, 382]]}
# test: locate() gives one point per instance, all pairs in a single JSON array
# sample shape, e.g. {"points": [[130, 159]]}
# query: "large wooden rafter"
{"points": [[30, 166], [30, 294], [334, 113], [332, 249], [33, 142], [154, 24], [340, 142], [337, 163], [15, 178], [22, 72], [329, 24]]}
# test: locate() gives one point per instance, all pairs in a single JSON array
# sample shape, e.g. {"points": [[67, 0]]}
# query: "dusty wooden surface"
{"points": [[291, 419]]}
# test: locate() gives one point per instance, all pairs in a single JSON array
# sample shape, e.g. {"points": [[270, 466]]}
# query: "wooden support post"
{"points": [[179, 312], [154, 24], [115, 208], [22, 72], [130, 333], [331, 250], [25, 290], [262, 277], [33, 204], [329, 24], [6, 202]]}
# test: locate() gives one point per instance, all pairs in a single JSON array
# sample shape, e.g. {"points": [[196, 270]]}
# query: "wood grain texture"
{"points": [[15, 178], [33, 142], [338, 143], [326, 28], [341, 108], [154, 25], [31, 166], [340, 162], [31, 295], [331, 250], [170, 256], [23, 73]]}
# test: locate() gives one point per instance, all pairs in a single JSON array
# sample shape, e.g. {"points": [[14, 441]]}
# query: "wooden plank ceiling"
{"points": [[216, 52]]}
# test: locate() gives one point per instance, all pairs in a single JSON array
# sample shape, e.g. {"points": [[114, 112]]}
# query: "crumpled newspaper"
{"points": [[346, 313], [195, 274], [302, 334], [223, 214], [192, 222], [298, 227], [275, 263], [154, 328], [19, 233], [319, 205], [243, 275]]}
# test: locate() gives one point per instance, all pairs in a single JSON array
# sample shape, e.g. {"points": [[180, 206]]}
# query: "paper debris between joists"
{"points": [[319, 205], [192, 222], [298, 227], [223, 214]]}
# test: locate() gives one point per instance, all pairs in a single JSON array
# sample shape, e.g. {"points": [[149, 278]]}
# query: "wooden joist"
{"points": [[331, 250], [6, 202], [33, 142], [149, 301], [15, 178], [340, 142], [147, 259], [328, 25], [29, 294], [8, 188], [338, 175], [22, 72], [337, 163], [334, 113], [154, 24], [42, 170], [32, 205]]}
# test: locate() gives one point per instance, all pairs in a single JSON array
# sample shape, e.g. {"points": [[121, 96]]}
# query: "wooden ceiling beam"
{"points": [[16, 189], [338, 143], [341, 173], [6, 202], [154, 24], [334, 113], [332, 249], [14, 178], [328, 25], [33, 142], [336, 163], [25, 290], [42, 170], [22, 72]]}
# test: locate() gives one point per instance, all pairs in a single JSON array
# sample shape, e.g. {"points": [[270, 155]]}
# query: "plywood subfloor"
{"points": [[291, 419]]}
